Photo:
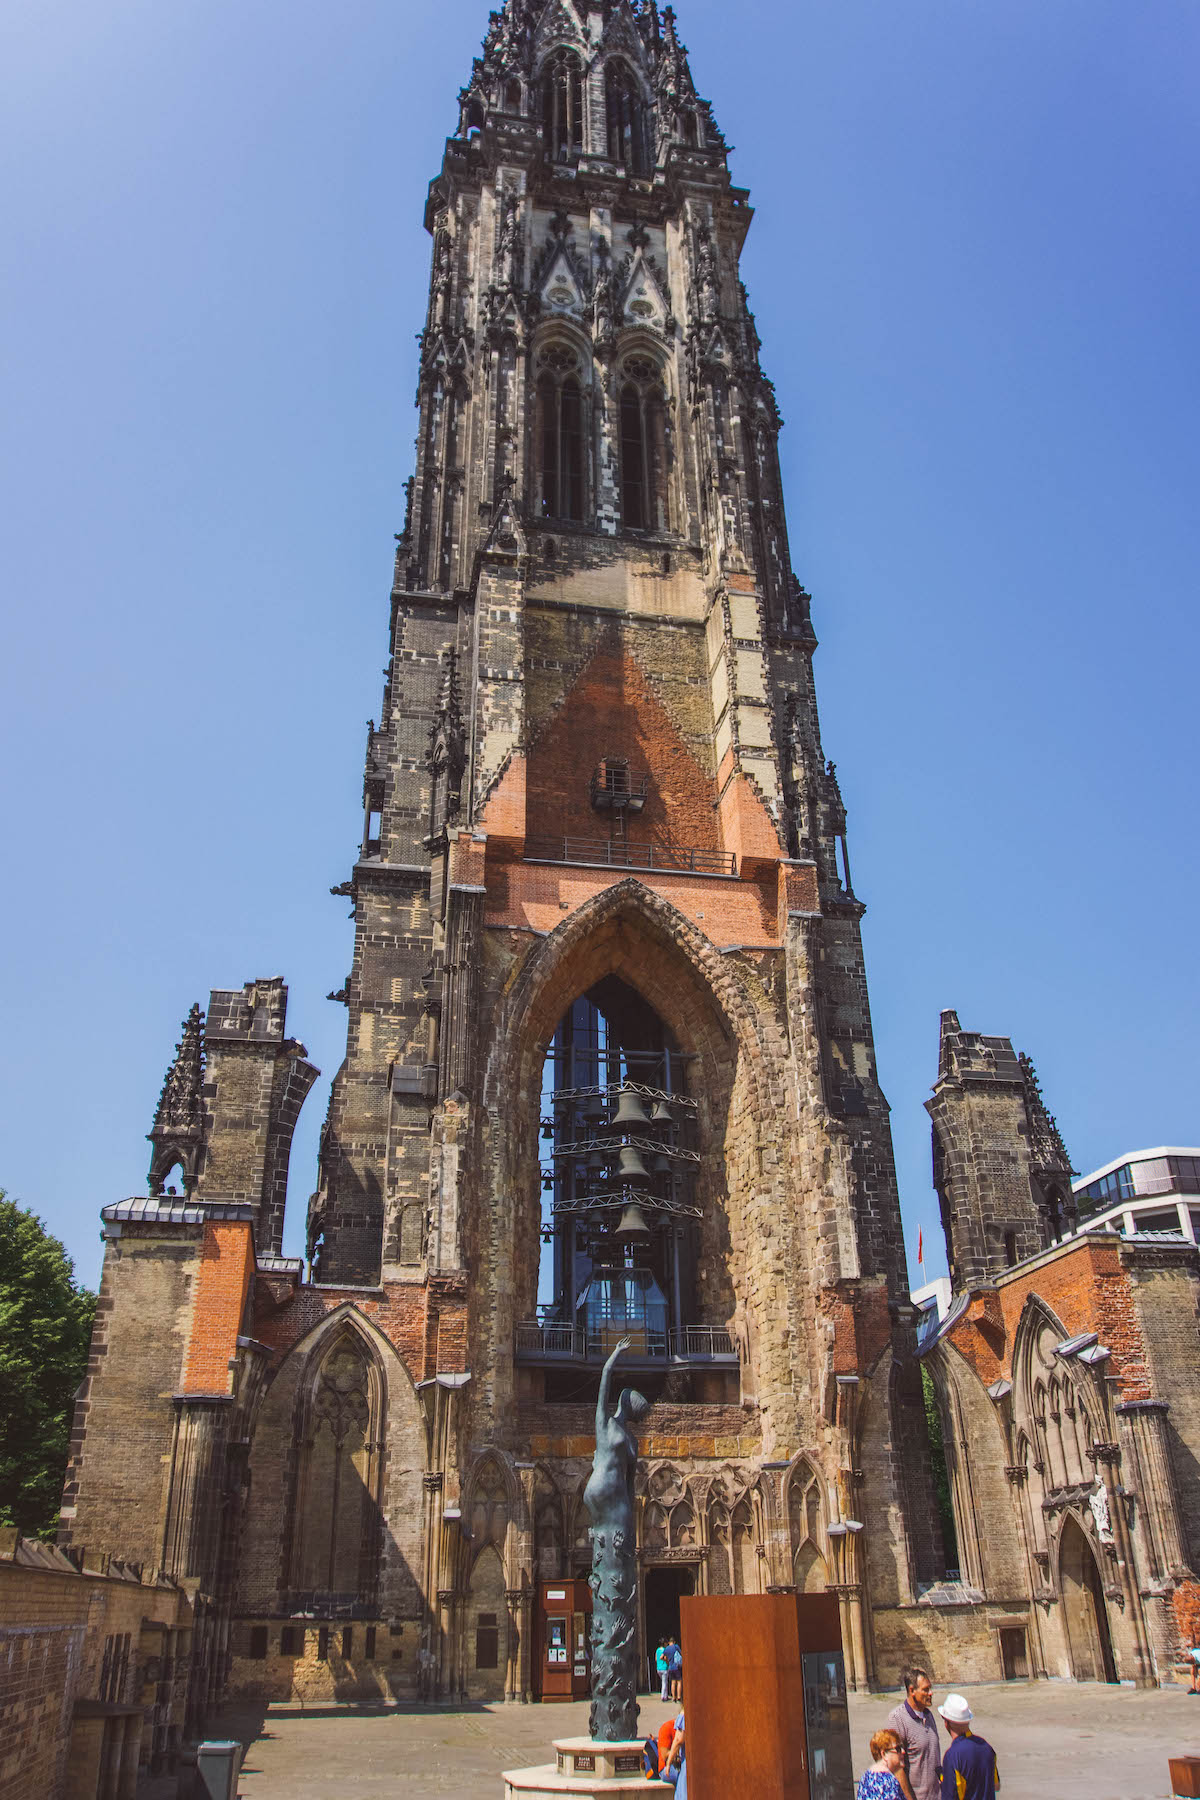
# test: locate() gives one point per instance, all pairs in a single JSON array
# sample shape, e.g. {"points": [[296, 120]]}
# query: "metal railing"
{"points": [[551, 1340], [608, 853]]}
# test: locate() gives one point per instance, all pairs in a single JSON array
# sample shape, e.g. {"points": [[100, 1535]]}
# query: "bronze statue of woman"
{"points": [[608, 1497]]}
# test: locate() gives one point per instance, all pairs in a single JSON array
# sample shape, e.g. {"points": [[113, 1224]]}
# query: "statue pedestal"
{"points": [[582, 1766]]}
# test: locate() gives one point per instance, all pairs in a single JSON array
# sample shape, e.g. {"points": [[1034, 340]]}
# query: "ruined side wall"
{"points": [[1167, 1300], [115, 1492]]}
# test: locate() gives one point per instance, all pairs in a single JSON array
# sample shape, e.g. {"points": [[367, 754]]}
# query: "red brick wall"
{"points": [[222, 1284], [611, 710], [426, 1325], [1086, 1287], [540, 896]]}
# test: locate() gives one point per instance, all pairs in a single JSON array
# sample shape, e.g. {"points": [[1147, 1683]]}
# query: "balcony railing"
{"points": [[608, 853], [544, 1340]]}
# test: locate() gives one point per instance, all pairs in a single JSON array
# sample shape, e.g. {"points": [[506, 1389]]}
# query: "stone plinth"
{"points": [[583, 1767]]}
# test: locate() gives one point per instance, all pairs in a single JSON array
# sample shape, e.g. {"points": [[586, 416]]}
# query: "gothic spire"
{"points": [[178, 1130], [179, 1102], [1045, 1140]]}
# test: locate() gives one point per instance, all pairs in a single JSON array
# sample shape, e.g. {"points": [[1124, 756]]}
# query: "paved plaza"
{"points": [[1059, 1740]]}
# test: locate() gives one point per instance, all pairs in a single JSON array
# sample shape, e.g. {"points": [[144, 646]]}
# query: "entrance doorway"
{"points": [[662, 1588], [1084, 1610]]}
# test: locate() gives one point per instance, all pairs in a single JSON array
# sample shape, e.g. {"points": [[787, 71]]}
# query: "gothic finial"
{"points": [[178, 1129], [447, 721], [1045, 1140], [179, 1102]]}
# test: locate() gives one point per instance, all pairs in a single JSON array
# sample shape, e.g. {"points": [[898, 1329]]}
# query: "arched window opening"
{"points": [[548, 1534], [720, 1573], [625, 109], [338, 1516], [643, 447], [742, 1549], [474, 114], [175, 1180], [560, 434], [512, 97], [562, 106], [690, 135], [619, 1222]]}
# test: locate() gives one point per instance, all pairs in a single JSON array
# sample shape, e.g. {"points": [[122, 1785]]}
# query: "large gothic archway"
{"points": [[666, 994], [336, 1531]]}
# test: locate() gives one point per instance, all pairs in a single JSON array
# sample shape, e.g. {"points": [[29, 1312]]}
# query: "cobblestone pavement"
{"points": [[1055, 1741]]}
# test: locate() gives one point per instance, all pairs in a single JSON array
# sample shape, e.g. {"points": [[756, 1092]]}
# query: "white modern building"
{"points": [[1144, 1190]]}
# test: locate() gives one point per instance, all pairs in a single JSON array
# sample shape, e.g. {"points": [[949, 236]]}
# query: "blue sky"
{"points": [[975, 271]]}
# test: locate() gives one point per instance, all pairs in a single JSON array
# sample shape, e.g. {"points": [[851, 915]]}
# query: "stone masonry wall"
{"points": [[124, 1419]]}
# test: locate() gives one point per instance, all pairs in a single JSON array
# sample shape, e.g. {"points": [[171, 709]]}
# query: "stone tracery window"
{"points": [[562, 106], [560, 433], [337, 1508], [806, 1530], [626, 115], [643, 446]]}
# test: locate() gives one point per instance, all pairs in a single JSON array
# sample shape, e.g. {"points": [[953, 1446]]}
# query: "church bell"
{"points": [[630, 1166], [630, 1111], [632, 1222]]}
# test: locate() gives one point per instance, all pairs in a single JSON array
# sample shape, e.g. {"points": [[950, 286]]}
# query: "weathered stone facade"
{"points": [[595, 802], [609, 1066], [1066, 1374]]}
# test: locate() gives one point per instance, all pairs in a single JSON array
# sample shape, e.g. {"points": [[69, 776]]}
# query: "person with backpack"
{"points": [[660, 1664], [675, 1668], [656, 1751]]}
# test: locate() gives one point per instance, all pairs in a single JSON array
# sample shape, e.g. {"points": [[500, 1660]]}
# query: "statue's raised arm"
{"points": [[605, 1382]]}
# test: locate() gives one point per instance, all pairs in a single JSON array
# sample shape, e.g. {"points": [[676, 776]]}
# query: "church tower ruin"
{"points": [[609, 1068]]}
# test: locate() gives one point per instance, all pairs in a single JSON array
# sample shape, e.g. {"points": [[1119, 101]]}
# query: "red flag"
{"points": [[920, 1248]]}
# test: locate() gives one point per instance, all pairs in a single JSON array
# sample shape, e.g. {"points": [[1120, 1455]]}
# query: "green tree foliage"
{"points": [[45, 1329], [937, 1457]]}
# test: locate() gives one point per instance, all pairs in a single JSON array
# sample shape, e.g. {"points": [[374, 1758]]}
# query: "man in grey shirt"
{"points": [[915, 1724]]}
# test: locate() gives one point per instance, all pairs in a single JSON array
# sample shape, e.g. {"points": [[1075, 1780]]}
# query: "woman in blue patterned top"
{"points": [[879, 1782]]}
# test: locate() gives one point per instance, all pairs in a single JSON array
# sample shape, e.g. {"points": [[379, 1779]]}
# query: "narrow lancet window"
{"points": [[560, 435], [643, 449], [562, 106], [626, 113]]}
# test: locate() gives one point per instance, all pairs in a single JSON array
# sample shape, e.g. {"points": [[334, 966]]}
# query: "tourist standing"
{"points": [[882, 1779], [660, 1664], [920, 1773], [675, 1668], [969, 1769]]}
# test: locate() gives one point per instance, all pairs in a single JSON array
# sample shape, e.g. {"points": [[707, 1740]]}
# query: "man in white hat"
{"points": [[969, 1769]]}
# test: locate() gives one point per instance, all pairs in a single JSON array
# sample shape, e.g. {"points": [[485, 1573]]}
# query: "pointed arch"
{"points": [[631, 932], [490, 1487], [627, 118], [279, 1466], [561, 87], [1085, 1612], [562, 423], [807, 1516], [742, 1548], [341, 1406], [549, 1526], [720, 1549]]}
